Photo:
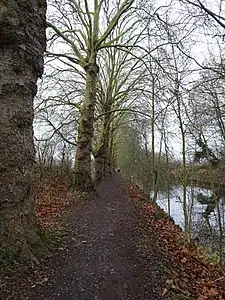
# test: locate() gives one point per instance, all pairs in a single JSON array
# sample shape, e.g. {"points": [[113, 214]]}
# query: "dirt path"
{"points": [[105, 257]]}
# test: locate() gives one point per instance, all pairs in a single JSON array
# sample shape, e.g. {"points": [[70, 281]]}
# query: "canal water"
{"points": [[176, 202], [206, 230]]}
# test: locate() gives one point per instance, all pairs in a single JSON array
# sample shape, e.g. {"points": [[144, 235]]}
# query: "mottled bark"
{"points": [[82, 178], [22, 44], [103, 165], [112, 150]]}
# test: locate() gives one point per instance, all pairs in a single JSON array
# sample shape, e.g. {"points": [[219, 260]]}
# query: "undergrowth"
{"points": [[52, 237], [173, 296], [52, 199], [7, 257]]}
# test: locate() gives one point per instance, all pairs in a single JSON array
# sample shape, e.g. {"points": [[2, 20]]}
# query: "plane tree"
{"points": [[23, 42], [80, 32], [118, 89]]}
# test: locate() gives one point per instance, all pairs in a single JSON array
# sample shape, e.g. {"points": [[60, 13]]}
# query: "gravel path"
{"points": [[111, 254]]}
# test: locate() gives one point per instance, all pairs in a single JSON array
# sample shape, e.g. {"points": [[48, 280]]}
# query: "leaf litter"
{"points": [[189, 273]]}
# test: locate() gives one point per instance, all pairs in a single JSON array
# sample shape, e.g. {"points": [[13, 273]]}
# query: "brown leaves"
{"points": [[189, 273], [51, 201]]}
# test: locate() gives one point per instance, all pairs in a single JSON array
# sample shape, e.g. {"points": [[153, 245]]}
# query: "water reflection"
{"points": [[207, 219], [176, 202]]}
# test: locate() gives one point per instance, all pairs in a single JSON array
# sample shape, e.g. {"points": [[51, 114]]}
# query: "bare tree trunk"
{"points": [[220, 231], [102, 159], [82, 179], [112, 149], [22, 40]]}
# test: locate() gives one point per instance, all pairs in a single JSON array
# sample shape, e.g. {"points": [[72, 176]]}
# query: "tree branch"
{"points": [[81, 59]]}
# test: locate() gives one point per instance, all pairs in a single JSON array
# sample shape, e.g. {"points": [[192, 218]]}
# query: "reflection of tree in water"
{"points": [[211, 203], [216, 228], [204, 236], [208, 228], [206, 210]]}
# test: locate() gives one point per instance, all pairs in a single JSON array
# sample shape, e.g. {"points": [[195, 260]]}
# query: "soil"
{"points": [[111, 253]]}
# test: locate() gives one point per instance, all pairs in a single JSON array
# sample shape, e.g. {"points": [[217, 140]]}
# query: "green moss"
{"points": [[208, 256], [51, 238], [10, 256], [7, 257], [178, 297], [159, 214]]}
